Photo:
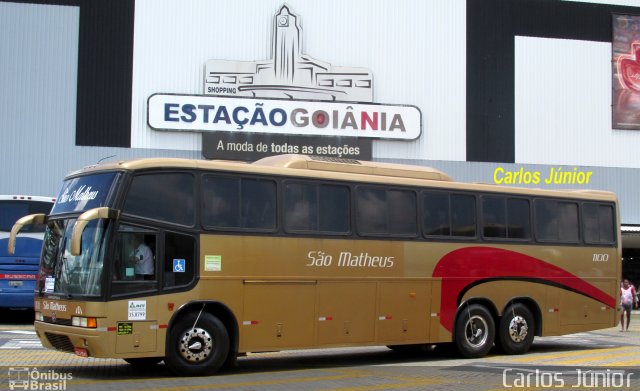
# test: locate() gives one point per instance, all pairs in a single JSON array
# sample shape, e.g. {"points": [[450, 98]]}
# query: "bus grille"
{"points": [[60, 342], [62, 322]]}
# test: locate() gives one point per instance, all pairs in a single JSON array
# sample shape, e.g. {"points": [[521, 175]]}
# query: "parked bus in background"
{"points": [[18, 271], [196, 262]]}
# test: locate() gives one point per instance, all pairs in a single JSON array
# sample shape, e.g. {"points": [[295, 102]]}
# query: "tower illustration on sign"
{"points": [[289, 74]]}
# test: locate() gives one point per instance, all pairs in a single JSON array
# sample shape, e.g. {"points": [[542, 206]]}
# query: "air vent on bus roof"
{"points": [[332, 159], [353, 166]]}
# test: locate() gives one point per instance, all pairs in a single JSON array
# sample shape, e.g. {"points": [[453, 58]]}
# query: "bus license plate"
{"points": [[15, 283], [82, 352]]}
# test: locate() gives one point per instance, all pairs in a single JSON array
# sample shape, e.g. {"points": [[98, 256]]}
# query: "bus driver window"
{"points": [[134, 256]]}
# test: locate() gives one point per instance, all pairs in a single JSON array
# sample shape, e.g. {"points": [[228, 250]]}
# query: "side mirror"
{"points": [[83, 220], [26, 220]]}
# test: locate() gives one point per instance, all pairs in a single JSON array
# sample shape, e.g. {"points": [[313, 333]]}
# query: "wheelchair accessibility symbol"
{"points": [[178, 265]]}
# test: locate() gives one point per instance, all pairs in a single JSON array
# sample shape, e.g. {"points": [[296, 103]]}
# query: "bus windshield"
{"points": [[85, 192], [64, 274]]}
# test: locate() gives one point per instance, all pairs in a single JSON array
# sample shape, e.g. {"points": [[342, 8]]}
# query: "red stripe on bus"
{"points": [[461, 268], [17, 276]]}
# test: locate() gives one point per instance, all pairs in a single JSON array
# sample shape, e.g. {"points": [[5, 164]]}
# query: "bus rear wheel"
{"points": [[197, 348], [516, 330], [475, 331]]}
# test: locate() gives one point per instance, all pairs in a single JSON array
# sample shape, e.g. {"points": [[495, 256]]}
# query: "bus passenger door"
{"points": [[134, 278]]}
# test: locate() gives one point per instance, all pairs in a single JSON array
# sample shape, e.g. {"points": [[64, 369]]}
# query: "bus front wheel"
{"points": [[475, 331], [516, 330], [197, 345]]}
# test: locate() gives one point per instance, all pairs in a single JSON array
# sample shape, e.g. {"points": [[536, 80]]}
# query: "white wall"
{"points": [[415, 50], [38, 83], [563, 105]]}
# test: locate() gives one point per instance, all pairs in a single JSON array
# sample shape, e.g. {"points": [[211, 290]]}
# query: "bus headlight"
{"points": [[81, 321], [39, 317]]}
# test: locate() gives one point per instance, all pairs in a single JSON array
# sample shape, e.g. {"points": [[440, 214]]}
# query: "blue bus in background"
{"points": [[18, 271]]}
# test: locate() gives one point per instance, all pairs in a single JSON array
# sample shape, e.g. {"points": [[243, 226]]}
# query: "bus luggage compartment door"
{"points": [[346, 312], [577, 309], [136, 336], [277, 314]]}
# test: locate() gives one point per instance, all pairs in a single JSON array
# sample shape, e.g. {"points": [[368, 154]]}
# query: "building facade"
{"points": [[533, 93]]}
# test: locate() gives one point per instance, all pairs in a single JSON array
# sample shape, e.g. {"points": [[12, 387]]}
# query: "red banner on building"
{"points": [[626, 72]]}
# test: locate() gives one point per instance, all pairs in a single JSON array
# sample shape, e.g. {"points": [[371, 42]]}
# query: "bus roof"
{"points": [[331, 164], [285, 163], [4, 197], [342, 169]]}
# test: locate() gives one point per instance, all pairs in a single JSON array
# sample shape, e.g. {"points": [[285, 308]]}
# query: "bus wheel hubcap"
{"points": [[196, 345], [518, 329], [476, 331]]}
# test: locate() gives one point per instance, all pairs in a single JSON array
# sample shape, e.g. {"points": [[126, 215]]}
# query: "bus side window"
{"points": [[371, 211], [258, 204], [556, 221], [238, 203], [154, 196], [436, 217], [598, 223], [334, 210], [179, 259], [220, 202], [463, 215], [494, 217], [301, 207]]}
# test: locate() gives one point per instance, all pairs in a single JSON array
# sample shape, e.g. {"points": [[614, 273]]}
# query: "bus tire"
{"points": [[474, 331], [516, 330], [199, 350]]}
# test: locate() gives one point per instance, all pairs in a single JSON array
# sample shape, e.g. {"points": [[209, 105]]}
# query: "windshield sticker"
{"points": [[129, 272], [83, 193], [49, 284], [212, 263], [137, 310], [179, 265]]}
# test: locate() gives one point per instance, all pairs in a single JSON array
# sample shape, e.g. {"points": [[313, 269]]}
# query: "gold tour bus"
{"points": [[197, 262]]}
